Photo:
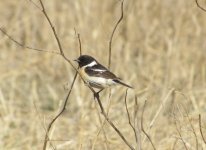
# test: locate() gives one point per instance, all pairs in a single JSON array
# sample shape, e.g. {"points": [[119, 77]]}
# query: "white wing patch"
{"points": [[99, 70], [91, 64]]}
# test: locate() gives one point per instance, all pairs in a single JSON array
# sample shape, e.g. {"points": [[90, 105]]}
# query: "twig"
{"points": [[111, 37], [129, 118], [80, 45], [198, 5], [24, 46], [55, 35], [142, 126], [96, 95], [200, 126], [59, 113]]}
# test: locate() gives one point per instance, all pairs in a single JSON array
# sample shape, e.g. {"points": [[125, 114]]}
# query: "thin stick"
{"points": [[198, 5], [24, 46], [80, 45], [142, 126], [96, 95], [63, 107], [129, 118], [55, 35], [200, 126], [111, 37]]}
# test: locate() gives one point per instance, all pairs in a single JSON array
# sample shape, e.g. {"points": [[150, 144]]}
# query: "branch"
{"points": [[25, 46], [111, 37], [64, 103], [142, 126], [129, 118], [55, 35], [96, 96], [200, 126], [63, 107], [80, 45], [198, 5]]}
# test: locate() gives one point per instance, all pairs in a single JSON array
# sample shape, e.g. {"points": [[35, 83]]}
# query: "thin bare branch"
{"points": [[25, 46], [63, 107], [64, 103], [198, 5], [111, 37], [142, 126], [129, 118], [200, 126], [80, 45], [55, 35], [96, 95]]}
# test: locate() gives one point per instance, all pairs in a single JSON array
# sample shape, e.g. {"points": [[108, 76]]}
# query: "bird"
{"points": [[96, 75]]}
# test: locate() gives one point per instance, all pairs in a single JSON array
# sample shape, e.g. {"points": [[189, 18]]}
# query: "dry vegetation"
{"points": [[159, 48]]}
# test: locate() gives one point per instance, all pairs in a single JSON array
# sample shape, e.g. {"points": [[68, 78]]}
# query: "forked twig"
{"points": [[198, 5], [129, 118], [200, 126], [55, 35], [111, 37], [142, 126]]}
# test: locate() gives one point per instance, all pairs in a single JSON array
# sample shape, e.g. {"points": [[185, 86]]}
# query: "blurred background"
{"points": [[159, 48]]}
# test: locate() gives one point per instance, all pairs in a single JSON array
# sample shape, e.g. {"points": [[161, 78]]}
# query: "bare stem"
{"points": [[109, 121], [59, 113], [198, 5], [111, 37], [25, 46]]}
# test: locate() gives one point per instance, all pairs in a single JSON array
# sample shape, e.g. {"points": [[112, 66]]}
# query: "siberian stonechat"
{"points": [[95, 74]]}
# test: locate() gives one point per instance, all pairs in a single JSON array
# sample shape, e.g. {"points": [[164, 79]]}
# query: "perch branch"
{"points": [[96, 95]]}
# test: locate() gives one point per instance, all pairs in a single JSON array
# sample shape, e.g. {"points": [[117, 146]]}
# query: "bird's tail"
{"points": [[120, 82]]}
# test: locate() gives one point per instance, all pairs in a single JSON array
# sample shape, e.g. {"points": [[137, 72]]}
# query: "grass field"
{"points": [[159, 48]]}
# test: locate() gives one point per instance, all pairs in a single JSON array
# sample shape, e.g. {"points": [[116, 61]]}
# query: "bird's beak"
{"points": [[76, 60]]}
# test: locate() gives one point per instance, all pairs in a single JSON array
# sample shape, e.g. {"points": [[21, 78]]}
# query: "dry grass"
{"points": [[160, 45]]}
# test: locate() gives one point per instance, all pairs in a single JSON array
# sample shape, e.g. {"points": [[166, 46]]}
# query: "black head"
{"points": [[84, 60]]}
